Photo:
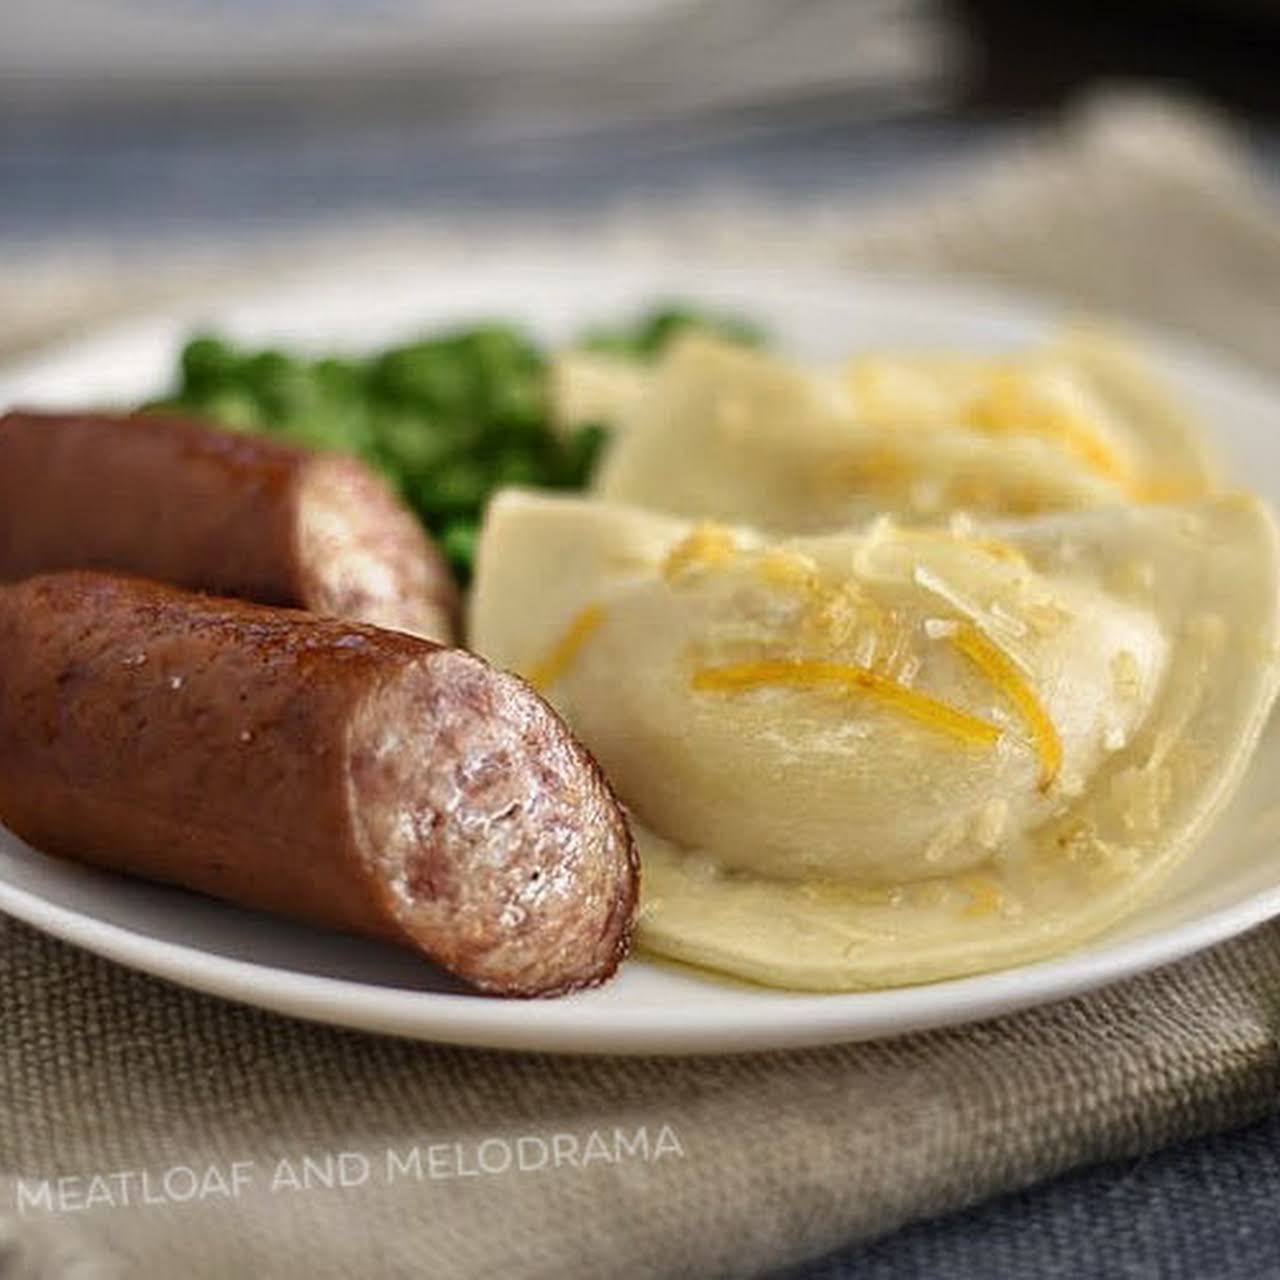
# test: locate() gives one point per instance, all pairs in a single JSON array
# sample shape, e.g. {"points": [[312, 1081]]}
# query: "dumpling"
{"points": [[594, 387], [890, 756], [1089, 394], [740, 435]]}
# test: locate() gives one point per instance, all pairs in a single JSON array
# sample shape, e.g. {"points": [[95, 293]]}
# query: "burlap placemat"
{"points": [[199, 1139]]}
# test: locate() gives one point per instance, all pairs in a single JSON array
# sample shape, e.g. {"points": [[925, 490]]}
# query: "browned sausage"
{"points": [[342, 774], [217, 511]]}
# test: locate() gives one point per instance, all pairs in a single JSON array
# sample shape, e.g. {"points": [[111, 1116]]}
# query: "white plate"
{"points": [[1230, 884]]}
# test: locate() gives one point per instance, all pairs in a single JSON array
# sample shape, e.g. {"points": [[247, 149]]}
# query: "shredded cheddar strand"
{"points": [[881, 469], [788, 571], [850, 678], [1008, 406], [1001, 671], [708, 545], [556, 662]]}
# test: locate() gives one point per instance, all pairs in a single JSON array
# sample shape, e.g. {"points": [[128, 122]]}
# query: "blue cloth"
{"points": [[1204, 1210], [68, 179]]}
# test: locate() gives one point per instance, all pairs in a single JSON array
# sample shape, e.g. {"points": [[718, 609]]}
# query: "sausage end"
{"points": [[502, 850]]}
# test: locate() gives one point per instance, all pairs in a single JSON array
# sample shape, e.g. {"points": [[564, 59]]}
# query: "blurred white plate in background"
{"points": [[1230, 884]]}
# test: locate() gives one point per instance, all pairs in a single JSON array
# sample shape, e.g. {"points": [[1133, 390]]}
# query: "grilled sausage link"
{"points": [[352, 777], [218, 511]]}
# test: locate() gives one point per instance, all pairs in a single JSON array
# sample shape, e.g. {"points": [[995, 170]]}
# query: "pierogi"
{"points": [[730, 433], [886, 755]]}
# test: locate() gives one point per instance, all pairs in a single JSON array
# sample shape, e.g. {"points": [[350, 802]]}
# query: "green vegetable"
{"points": [[648, 337], [448, 419], [458, 542]]}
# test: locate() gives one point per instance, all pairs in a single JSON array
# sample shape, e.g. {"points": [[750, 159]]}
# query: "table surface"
{"points": [[1205, 1209]]}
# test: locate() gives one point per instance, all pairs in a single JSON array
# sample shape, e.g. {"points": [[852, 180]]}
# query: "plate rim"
{"points": [[554, 1026]]}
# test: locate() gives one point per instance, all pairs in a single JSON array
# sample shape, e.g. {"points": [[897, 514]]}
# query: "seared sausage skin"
{"points": [[215, 510], [342, 774]]}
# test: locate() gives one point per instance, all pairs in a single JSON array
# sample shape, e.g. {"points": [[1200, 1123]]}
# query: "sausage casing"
{"points": [[338, 773], [219, 511]]}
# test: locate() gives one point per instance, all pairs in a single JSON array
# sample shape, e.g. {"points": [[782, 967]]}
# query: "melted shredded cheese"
{"points": [[542, 675], [1000, 669], [788, 571], [880, 468], [993, 397], [851, 679], [1013, 404], [707, 546]]}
